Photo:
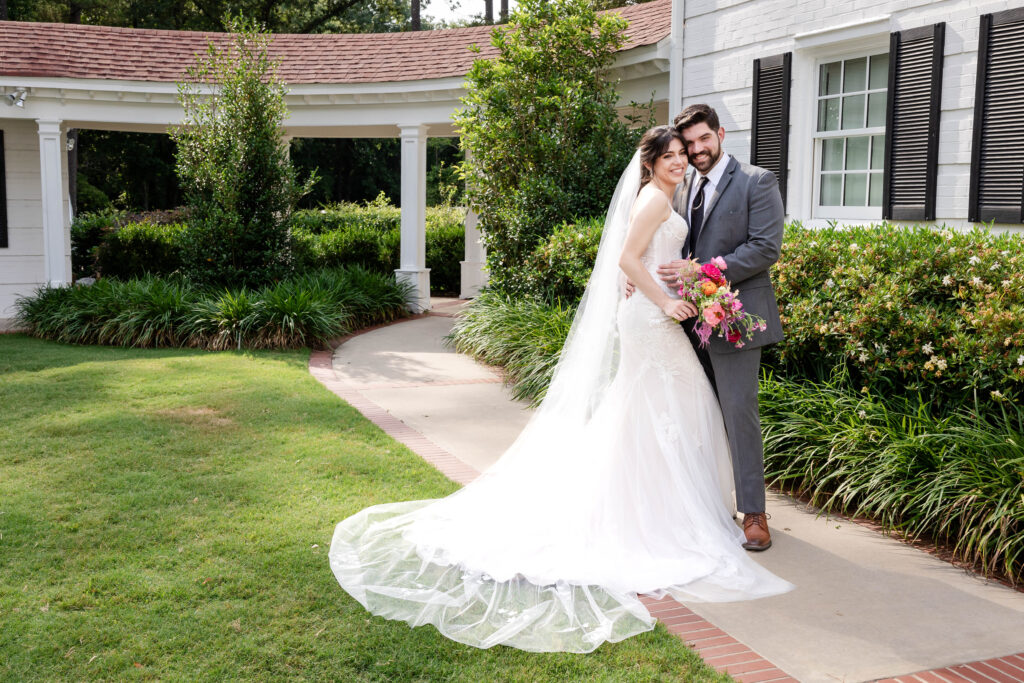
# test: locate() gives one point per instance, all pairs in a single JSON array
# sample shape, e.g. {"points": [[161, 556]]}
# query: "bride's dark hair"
{"points": [[652, 145]]}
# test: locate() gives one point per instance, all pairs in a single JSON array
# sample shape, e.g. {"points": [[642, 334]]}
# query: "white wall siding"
{"points": [[723, 37], [21, 264]]}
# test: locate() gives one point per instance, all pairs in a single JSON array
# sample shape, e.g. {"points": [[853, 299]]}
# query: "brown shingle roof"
{"points": [[103, 52]]}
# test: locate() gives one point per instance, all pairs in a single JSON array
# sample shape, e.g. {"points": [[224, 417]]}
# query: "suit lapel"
{"points": [[724, 183]]}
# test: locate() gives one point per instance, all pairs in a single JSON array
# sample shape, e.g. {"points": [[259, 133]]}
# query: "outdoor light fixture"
{"points": [[15, 99]]}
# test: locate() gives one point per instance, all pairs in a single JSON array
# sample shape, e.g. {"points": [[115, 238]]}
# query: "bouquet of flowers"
{"points": [[718, 307]]}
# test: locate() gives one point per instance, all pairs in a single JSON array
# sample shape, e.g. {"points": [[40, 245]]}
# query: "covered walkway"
{"points": [[60, 77]]}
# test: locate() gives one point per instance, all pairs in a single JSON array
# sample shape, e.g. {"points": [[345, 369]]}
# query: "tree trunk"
{"points": [[503, 14], [3, 10], [416, 26], [489, 11]]}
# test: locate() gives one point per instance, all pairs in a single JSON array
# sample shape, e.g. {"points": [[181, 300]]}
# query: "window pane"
{"points": [[832, 154], [879, 72], [875, 199], [876, 109], [828, 78], [831, 189], [856, 189], [828, 114], [878, 151], [857, 153], [853, 112], [856, 77]]}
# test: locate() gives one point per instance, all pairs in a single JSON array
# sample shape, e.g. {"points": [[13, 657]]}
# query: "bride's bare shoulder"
{"points": [[651, 206]]}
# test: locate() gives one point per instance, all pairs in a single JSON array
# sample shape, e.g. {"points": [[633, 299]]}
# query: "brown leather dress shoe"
{"points": [[755, 528]]}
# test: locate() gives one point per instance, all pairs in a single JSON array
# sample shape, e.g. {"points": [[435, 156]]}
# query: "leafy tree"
{"points": [[540, 121], [234, 166]]}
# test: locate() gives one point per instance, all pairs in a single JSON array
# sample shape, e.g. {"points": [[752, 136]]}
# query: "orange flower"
{"points": [[709, 288]]}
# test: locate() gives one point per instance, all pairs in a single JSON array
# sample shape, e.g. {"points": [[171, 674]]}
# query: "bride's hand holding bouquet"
{"points": [[718, 306]]}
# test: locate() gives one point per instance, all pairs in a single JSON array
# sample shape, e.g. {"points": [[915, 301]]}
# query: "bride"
{"points": [[620, 485]]}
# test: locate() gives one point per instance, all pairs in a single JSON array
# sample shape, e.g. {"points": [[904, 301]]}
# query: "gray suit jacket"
{"points": [[743, 223]]}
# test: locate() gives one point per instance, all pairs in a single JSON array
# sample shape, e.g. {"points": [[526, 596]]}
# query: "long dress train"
{"points": [[549, 549]]}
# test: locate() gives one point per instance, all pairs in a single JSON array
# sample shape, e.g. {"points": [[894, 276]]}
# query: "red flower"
{"points": [[734, 336], [711, 271]]}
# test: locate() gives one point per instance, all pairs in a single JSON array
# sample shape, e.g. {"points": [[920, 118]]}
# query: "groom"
{"points": [[734, 211]]}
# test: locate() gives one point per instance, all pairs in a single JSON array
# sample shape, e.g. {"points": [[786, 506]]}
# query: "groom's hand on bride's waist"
{"points": [[669, 272]]}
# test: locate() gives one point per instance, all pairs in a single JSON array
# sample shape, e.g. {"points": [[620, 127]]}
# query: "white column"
{"points": [[474, 273], [413, 268], [675, 65], [51, 155]]}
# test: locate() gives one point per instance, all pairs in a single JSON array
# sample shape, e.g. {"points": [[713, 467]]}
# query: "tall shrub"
{"points": [[540, 122], [233, 165]]}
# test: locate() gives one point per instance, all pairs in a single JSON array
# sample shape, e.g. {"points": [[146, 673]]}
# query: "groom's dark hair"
{"points": [[694, 114]]}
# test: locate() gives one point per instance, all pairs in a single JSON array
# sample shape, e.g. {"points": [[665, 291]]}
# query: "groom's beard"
{"points": [[706, 160]]}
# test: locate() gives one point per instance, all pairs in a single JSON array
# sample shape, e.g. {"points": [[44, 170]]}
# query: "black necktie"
{"points": [[696, 216]]}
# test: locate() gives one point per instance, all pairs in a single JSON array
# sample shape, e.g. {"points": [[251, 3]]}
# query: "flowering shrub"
{"points": [[915, 309]]}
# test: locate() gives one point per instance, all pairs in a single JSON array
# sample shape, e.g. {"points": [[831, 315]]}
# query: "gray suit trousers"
{"points": [[738, 373]]}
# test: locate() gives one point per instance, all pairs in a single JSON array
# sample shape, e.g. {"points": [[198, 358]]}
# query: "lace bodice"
{"points": [[665, 246]]}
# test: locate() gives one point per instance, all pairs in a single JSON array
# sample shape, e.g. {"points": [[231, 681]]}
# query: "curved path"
{"points": [[867, 607]]}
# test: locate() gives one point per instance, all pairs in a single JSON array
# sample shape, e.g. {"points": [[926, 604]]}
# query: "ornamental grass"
{"points": [[151, 311]]}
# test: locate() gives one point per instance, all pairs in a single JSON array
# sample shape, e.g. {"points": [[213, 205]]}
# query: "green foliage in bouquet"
{"points": [[233, 165], [545, 141]]}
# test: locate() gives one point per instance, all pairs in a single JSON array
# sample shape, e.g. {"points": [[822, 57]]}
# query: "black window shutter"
{"points": [[3, 196], [997, 164], [769, 137], [912, 123]]}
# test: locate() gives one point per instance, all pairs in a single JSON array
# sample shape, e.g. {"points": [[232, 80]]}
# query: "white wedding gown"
{"points": [[548, 550]]}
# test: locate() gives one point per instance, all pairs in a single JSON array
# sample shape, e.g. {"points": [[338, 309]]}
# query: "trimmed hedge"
{"points": [[559, 267], [307, 310], [127, 246]]}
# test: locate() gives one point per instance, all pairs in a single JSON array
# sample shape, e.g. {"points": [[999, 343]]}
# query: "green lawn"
{"points": [[166, 515]]}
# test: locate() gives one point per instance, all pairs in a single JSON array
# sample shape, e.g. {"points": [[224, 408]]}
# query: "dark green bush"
{"points": [[905, 310], [559, 268], [88, 231], [136, 249], [233, 165], [541, 122]]}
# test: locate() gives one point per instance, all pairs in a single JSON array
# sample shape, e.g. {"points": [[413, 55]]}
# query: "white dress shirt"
{"points": [[714, 177]]}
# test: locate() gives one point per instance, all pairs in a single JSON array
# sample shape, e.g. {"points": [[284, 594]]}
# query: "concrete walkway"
{"points": [[866, 606]]}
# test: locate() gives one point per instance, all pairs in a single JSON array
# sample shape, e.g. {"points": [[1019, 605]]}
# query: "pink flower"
{"points": [[713, 314], [719, 262], [703, 331], [737, 305], [711, 271]]}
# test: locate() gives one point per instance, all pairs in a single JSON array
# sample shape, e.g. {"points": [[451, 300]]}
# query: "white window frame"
{"points": [[810, 49], [872, 213]]}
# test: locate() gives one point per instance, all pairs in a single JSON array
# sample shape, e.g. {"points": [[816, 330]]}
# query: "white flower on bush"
{"points": [[974, 260], [939, 362], [861, 414], [976, 281], [854, 246], [997, 395], [830, 283], [928, 349], [1020, 359], [881, 349], [1007, 284], [863, 357], [995, 266], [947, 281]]}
